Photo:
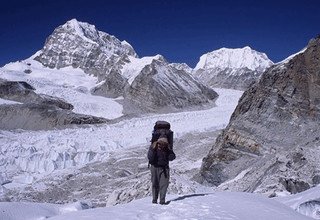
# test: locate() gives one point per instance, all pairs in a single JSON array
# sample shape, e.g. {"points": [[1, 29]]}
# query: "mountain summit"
{"points": [[231, 68], [79, 44]]}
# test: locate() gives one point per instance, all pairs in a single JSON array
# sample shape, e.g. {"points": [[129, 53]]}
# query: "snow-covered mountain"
{"points": [[271, 144], [231, 68], [81, 45], [120, 72]]}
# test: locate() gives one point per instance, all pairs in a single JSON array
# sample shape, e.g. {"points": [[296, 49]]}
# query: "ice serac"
{"points": [[231, 68], [272, 142], [81, 45]]}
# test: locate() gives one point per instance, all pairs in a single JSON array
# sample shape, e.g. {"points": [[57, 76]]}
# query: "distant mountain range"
{"points": [[147, 84]]}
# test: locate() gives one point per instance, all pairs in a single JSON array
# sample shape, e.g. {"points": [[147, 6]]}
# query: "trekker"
{"points": [[159, 155]]}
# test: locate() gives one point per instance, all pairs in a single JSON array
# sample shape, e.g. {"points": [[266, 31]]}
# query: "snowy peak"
{"points": [[226, 58], [79, 27], [81, 45], [231, 68], [182, 66], [89, 33]]}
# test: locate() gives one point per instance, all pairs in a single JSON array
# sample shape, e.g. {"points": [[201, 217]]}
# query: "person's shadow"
{"points": [[184, 197]]}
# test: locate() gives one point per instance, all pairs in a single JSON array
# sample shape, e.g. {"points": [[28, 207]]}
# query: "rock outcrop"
{"points": [[272, 141], [41, 117], [231, 68], [36, 111], [25, 93], [160, 86], [152, 84]]}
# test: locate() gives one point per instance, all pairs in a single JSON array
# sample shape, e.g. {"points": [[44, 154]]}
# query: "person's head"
{"points": [[162, 142]]}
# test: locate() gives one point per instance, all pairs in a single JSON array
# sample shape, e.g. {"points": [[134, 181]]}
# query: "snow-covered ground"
{"points": [[306, 203], [219, 206]]}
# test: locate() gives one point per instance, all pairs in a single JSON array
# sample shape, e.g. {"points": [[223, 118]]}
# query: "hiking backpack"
{"points": [[162, 129]]}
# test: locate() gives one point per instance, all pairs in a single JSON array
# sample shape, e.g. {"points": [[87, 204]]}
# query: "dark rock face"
{"points": [[272, 141], [25, 93], [39, 117], [160, 86], [114, 85]]}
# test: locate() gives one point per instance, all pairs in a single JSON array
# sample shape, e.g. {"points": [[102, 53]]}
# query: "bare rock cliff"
{"points": [[272, 142]]}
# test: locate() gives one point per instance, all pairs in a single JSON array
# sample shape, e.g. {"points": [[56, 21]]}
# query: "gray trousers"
{"points": [[160, 182]]}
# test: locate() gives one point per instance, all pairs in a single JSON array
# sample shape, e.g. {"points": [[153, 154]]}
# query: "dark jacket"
{"points": [[160, 157]]}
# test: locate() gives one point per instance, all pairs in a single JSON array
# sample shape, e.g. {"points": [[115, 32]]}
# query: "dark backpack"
{"points": [[162, 129]]}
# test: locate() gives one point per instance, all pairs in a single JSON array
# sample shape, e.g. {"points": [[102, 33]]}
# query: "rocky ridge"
{"points": [[272, 141]]}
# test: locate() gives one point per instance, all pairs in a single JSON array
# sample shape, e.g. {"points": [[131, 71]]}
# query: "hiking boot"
{"points": [[162, 203], [154, 202]]}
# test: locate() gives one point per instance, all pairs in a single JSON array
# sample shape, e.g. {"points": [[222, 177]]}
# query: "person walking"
{"points": [[159, 155]]}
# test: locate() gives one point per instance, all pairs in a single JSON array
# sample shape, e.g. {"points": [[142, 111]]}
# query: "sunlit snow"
{"points": [[216, 206]]}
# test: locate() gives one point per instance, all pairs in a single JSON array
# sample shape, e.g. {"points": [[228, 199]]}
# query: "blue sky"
{"points": [[179, 30]]}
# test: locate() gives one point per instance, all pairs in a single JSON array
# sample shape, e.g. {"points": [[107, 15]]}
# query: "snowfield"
{"points": [[219, 206]]}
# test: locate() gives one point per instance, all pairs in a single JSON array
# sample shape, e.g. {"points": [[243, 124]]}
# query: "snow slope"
{"points": [[219, 206], [35, 211], [306, 203], [70, 84], [5, 101]]}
